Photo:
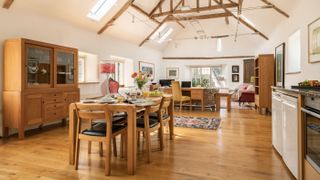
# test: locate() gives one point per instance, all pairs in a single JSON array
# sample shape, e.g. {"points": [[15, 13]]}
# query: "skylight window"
{"points": [[166, 35], [100, 9], [158, 32]]}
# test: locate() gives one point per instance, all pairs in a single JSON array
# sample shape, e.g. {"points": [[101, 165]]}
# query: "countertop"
{"points": [[303, 92]]}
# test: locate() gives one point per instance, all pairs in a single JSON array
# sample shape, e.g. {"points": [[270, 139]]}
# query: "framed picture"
{"points": [[146, 67], [235, 77], [235, 69], [314, 41], [173, 73], [279, 56]]}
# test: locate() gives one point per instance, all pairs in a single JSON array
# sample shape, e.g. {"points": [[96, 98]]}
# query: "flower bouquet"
{"points": [[140, 79]]}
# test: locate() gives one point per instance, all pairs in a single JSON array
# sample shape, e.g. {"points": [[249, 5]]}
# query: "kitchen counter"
{"points": [[296, 92]]}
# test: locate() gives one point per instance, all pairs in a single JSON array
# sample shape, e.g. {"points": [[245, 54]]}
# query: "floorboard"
{"points": [[240, 149]]}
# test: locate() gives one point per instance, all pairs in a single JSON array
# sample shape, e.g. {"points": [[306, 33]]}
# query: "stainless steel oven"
{"points": [[311, 111]]}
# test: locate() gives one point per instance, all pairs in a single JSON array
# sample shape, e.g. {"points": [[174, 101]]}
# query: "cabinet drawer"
{"points": [[54, 106], [197, 94], [48, 100], [58, 113], [54, 95]]}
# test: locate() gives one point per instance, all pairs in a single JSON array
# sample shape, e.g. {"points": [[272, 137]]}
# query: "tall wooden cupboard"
{"points": [[264, 79], [40, 81]]}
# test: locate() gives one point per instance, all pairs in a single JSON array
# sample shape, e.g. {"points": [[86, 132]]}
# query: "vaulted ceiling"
{"points": [[205, 18]]}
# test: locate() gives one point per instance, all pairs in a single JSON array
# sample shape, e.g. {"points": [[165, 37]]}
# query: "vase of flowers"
{"points": [[140, 79]]}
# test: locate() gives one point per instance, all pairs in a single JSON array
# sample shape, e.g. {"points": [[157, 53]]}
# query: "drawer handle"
{"points": [[55, 113]]}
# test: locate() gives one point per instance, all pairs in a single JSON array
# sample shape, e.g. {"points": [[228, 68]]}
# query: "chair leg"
{"points": [[180, 106], [190, 105], [114, 147], [148, 144], [100, 149], [108, 157], [77, 154], [138, 138], [160, 131], [89, 147], [121, 144]]}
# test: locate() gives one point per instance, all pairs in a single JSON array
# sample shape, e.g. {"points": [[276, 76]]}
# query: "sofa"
{"points": [[245, 93]]}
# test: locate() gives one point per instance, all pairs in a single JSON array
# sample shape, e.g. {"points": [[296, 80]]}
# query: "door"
{"points": [[290, 131], [277, 122], [66, 68], [248, 70], [38, 66], [33, 109]]}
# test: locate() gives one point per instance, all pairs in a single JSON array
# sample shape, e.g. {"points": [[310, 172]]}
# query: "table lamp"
{"points": [[108, 69]]}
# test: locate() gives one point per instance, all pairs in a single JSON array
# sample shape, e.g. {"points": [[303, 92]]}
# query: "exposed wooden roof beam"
{"points": [[116, 16], [7, 4], [243, 22], [206, 58], [198, 5], [276, 8], [144, 13], [200, 9], [156, 7], [206, 16], [161, 23]]}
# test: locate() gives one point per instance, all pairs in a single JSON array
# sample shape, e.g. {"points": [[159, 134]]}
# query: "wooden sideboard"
{"points": [[40, 81]]}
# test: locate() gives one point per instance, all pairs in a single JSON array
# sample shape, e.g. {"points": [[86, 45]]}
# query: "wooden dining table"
{"points": [[131, 110]]}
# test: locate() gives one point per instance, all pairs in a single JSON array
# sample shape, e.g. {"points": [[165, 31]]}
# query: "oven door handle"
{"points": [[311, 113]]}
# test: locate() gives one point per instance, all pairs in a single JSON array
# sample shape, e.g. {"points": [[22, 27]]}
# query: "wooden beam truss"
{"points": [[276, 8], [7, 4]]}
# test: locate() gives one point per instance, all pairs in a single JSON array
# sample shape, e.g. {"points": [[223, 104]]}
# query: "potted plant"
{"points": [[140, 79]]}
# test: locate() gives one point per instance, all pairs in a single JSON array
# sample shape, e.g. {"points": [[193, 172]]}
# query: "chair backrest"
{"points": [[165, 103], [156, 106], [176, 90], [91, 112], [113, 86]]}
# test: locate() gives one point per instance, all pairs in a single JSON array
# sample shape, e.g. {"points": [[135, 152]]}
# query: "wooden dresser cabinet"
{"points": [[40, 81], [264, 79]]}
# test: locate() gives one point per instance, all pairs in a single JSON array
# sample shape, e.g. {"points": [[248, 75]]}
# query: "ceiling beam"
{"points": [[200, 9], [144, 13], [156, 7], [243, 22], [276, 8], [161, 23], [207, 58], [206, 16], [116, 16], [7, 4]]}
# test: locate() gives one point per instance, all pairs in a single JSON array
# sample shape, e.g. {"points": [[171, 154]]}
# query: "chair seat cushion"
{"points": [[152, 123], [185, 98], [99, 129], [155, 116]]}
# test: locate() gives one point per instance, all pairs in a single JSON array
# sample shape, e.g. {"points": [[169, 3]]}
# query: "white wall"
{"points": [[301, 15], [185, 69], [32, 26]]}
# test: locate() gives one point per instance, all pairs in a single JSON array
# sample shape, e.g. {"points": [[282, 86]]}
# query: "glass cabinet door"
{"points": [[65, 68], [38, 65]]}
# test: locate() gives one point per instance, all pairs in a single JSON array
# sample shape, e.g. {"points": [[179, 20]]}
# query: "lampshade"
{"points": [[107, 68]]}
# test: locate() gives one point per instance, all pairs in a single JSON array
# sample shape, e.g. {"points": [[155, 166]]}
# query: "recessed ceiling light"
{"points": [[100, 9], [185, 8]]}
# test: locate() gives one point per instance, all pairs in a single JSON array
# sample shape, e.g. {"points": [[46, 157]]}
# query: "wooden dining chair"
{"points": [[163, 114], [148, 125], [177, 95], [99, 132]]}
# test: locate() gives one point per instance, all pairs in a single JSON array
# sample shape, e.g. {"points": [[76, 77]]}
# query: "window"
{"points": [[100, 9], [294, 53], [123, 70], [207, 76]]}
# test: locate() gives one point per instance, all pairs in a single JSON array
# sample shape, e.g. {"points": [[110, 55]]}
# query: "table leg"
{"points": [[229, 103], [171, 122], [217, 102], [131, 141], [72, 131]]}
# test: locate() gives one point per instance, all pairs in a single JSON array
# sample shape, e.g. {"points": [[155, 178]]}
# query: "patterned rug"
{"points": [[197, 122]]}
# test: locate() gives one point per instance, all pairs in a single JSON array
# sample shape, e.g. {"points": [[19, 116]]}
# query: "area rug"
{"points": [[197, 122]]}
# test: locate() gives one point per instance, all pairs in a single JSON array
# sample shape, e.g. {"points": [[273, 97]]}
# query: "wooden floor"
{"points": [[240, 149]]}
